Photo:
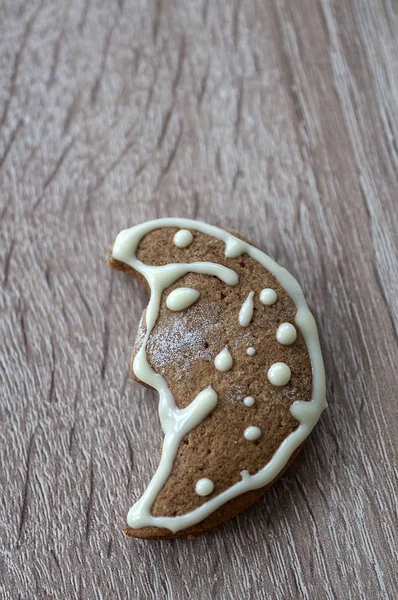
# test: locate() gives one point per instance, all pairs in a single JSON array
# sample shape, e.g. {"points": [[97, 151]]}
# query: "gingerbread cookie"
{"points": [[228, 342]]}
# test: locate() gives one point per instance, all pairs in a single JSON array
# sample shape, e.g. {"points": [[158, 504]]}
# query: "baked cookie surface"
{"points": [[228, 342]]}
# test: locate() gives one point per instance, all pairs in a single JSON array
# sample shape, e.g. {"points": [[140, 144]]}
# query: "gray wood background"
{"points": [[274, 118]]}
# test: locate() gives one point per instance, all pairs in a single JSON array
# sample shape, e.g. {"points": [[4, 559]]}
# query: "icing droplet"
{"points": [[286, 334], [251, 351], [279, 374], [223, 360], [246, 312], [183, 238], [234, 247], [181, 298], [249, 401], [252, 433], [204, 487], [268, 296]]}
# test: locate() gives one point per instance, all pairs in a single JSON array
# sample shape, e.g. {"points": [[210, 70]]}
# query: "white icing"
{"points": [[252, 433], [181, 298], [234, 246], [286, 334], [279, 374], [249, 401], [183, 238], [175, 422], [251, 351], [246, 312], [223, 360], [268, 296], [204, 487]]}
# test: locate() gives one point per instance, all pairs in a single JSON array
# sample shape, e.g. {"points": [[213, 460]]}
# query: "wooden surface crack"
{"points": [[180, 64], [25, 492], [105, 51], [156, 20], [7, 262], [16, 65], [172, 154], [51, 393], [53, 174], [11, 140], [55, 61], [90, 500], [82, 23]]}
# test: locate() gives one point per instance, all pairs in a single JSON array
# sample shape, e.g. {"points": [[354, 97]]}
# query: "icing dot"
{"points": [[249, 401], [268, 296], [204, 487], [286, 334], [279, 374], [181, 298], [246, 312], [223, 360], [234, 247], [183, 238], [251, 351], [252, 433]]}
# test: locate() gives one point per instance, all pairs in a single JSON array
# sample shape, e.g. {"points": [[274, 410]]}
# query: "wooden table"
{"points": [[274, 118]]}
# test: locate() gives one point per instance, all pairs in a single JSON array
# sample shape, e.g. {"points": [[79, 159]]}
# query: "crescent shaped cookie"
{"points": [[228, 342]]}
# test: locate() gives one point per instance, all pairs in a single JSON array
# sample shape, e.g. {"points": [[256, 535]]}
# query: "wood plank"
{"points": [[275, 118]]}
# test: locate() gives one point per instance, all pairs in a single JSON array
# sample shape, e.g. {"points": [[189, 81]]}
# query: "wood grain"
{"points": [[273, 118]]}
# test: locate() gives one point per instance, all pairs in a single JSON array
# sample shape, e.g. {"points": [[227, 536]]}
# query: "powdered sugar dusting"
{"points": [[181, 339], [139, 338]]}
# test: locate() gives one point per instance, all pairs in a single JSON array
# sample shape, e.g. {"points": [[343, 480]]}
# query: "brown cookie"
{"points": [[230, 345]]}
